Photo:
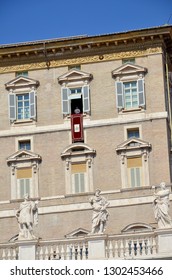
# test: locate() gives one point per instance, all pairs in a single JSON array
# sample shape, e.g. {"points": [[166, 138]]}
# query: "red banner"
{"points": [[77, 128]]}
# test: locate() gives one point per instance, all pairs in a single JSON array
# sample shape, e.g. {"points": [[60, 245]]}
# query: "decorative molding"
{"points": [[80, 60]]}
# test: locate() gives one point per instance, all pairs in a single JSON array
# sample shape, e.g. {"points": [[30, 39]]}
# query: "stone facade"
{"points": [[107, 147]]}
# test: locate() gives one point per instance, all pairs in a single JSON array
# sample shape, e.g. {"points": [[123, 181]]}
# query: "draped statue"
{"points": [[100, 213], [161, 206], [27, 217]]}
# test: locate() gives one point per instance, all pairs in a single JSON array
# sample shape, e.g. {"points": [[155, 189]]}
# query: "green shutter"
{"points": [[140, 84], [32, 105], [65, 100], [12, 106], [86, 98], [119, 95]]}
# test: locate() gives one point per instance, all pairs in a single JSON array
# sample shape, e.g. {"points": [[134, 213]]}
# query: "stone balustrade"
{"points": [[141, 245]]}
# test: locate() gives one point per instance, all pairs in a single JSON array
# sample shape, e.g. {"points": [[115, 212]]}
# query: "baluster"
{"points": [[126, 248], [46, 253], [116, 250], [57, 253], [4, 254], [51, 253], [154, 250], [14, 255], [84, 252], [132, 249], [68, 252], [148, 247], [121, 249], [110, 253], [62, 253], [9, 254], [40, 253]]}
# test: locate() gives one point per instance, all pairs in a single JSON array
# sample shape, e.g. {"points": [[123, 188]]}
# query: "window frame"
{"points": [[140, 149], [78, 154]]}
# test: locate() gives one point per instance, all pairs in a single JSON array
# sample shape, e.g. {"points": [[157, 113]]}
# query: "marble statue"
{"points": [[161, 206], [27, 217], [100, 213]]}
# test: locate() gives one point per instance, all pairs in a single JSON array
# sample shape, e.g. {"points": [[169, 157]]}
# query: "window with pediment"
{"points": [[134, 162], [129, 87], [75, 92], [78, 159], [22, 99], [24, 167]]}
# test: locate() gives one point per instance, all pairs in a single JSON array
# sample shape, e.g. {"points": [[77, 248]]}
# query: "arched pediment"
{"points": [[21, 82], [133, 143], [23, 155], [137, 227], [74, 75], [76, 149], [128, 69]]}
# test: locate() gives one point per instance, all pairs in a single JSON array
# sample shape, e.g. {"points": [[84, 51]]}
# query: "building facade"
{"points": [[83, 113]]}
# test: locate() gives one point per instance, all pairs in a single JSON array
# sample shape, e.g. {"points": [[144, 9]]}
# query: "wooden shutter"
{"points": [[65, 100], [12, 106], [141, 95], [134, 162], [32, 100], [86, 98], [119, 95], [78, 168], [24, 173]]}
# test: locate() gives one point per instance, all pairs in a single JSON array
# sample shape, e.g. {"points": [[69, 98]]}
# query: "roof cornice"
{"points": [[47, 50]]}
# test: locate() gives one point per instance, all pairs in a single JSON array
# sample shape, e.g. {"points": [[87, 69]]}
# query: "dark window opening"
{"points": [[76, 103]]}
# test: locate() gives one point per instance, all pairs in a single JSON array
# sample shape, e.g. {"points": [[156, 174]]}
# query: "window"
{"points": [[78, 159], [129, 87], [78, 177], [134, 162], [134, 166], [78, 67], [24, 145], [128, 60], [22, 99], [24, 167], [22, 73], [75, 91], [24, 181], [133, 132]]}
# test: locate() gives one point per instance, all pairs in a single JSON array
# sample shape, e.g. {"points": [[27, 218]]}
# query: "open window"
{"points": [[75, 92], [129, 87], [22, 99]]}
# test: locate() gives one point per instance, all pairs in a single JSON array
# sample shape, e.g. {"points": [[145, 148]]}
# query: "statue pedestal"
{"points": [[96, 247], [27, 249], [164, 241]]}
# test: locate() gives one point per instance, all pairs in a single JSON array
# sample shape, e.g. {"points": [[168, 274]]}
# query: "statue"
{"points": [[161, 206], [27, 217], [100, 213]]}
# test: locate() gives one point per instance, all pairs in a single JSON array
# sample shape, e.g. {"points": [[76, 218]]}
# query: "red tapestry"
{"points": [[77, 127]]}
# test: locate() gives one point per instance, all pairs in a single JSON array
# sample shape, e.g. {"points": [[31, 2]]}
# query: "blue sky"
{"points": [[22, 21]]}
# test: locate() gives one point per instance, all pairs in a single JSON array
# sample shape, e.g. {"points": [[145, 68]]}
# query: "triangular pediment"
{"points": [[77, 233], [21, 82], [133, 143], [23, 155], [128, 69], [74, 75]]}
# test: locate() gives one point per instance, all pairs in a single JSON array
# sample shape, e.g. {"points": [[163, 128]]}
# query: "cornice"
{"points": [[84, 49], [80, 60]]}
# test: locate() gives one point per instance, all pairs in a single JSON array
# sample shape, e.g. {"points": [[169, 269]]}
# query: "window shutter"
{"points": [[140, 84], [119, 95], [12, 106], [86, 98], [65, 100], [32, 99]]}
